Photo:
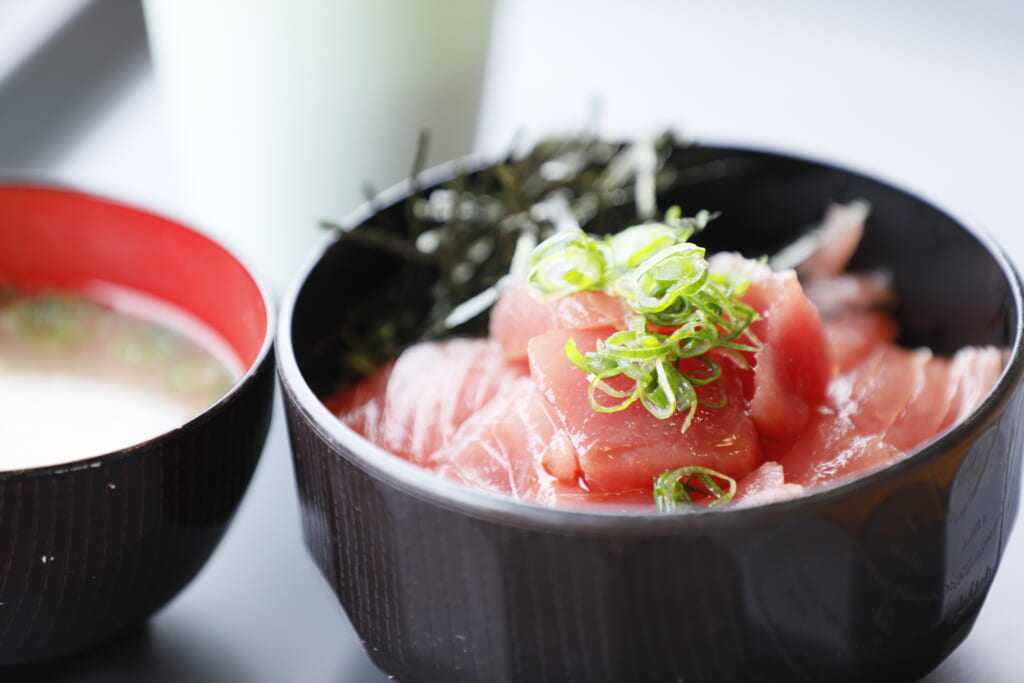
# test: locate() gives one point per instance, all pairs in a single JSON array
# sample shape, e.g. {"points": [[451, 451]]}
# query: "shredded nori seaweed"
{"points": [[466, 231]]}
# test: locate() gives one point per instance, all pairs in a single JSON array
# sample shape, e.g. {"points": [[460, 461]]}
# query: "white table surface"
{"points": [[927, 94]]}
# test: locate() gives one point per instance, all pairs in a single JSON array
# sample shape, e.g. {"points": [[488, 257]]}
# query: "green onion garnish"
{"points": [[678, 487], [48, 320], [682, 311]]}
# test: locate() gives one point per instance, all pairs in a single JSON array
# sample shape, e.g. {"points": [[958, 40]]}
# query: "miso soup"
{"points": [[85, 374]]}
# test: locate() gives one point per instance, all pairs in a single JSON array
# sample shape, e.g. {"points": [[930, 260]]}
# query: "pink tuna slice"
{"points": [[849, 435], [928, 405], [414, 405], [854, 336], [849, 292], [766, 484], [975, 370], [843, 227], [627, 449], [512, 446], [518, 317], [877, 391], [831, 448], [793, 368], [361, 407]]}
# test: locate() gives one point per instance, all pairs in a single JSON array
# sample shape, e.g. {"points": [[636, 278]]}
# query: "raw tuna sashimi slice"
{"points": [[843, 228], [974, 371], [847, 436], [890, 403], [829, 449], [877, 391], [361, 407], [512, 446], [518, 317], [416, 404], [854, 336], [850, 292], [793, 368], [927, 407], [627, 449], [766, 484]]}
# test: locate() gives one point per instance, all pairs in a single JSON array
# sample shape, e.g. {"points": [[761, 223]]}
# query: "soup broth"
{"points": [[82, 375]]}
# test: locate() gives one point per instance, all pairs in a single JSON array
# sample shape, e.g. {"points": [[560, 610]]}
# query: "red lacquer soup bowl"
{"points": [[92, 546]]}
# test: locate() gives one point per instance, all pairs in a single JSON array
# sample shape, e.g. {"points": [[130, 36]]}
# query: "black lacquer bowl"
{"points": [[91, 548], [876, 579]]}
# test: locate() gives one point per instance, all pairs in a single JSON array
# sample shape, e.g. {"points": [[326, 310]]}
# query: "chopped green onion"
{"points": [[48, 320], [567, 263], [682, 311], [684, 486]]}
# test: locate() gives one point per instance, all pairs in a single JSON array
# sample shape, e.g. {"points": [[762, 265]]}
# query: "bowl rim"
{"points": [[35, 180], [435, 489]]}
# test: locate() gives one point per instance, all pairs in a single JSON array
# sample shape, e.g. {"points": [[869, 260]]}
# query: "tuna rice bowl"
{"points": [[771, 435], [639, 370]]}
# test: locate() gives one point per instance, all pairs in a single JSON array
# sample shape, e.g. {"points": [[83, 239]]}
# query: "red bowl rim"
{"points": [[40, 181]]}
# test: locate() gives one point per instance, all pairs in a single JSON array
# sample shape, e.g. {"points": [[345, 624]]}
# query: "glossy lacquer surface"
{"points": [[90, 549], [878, 579]]}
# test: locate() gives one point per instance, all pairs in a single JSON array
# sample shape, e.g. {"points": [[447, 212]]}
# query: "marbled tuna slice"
{"points": [[876, 392], [889, 403], [414, 405], [927, 407], [975, 370], [831, 448], [512, 446]]}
